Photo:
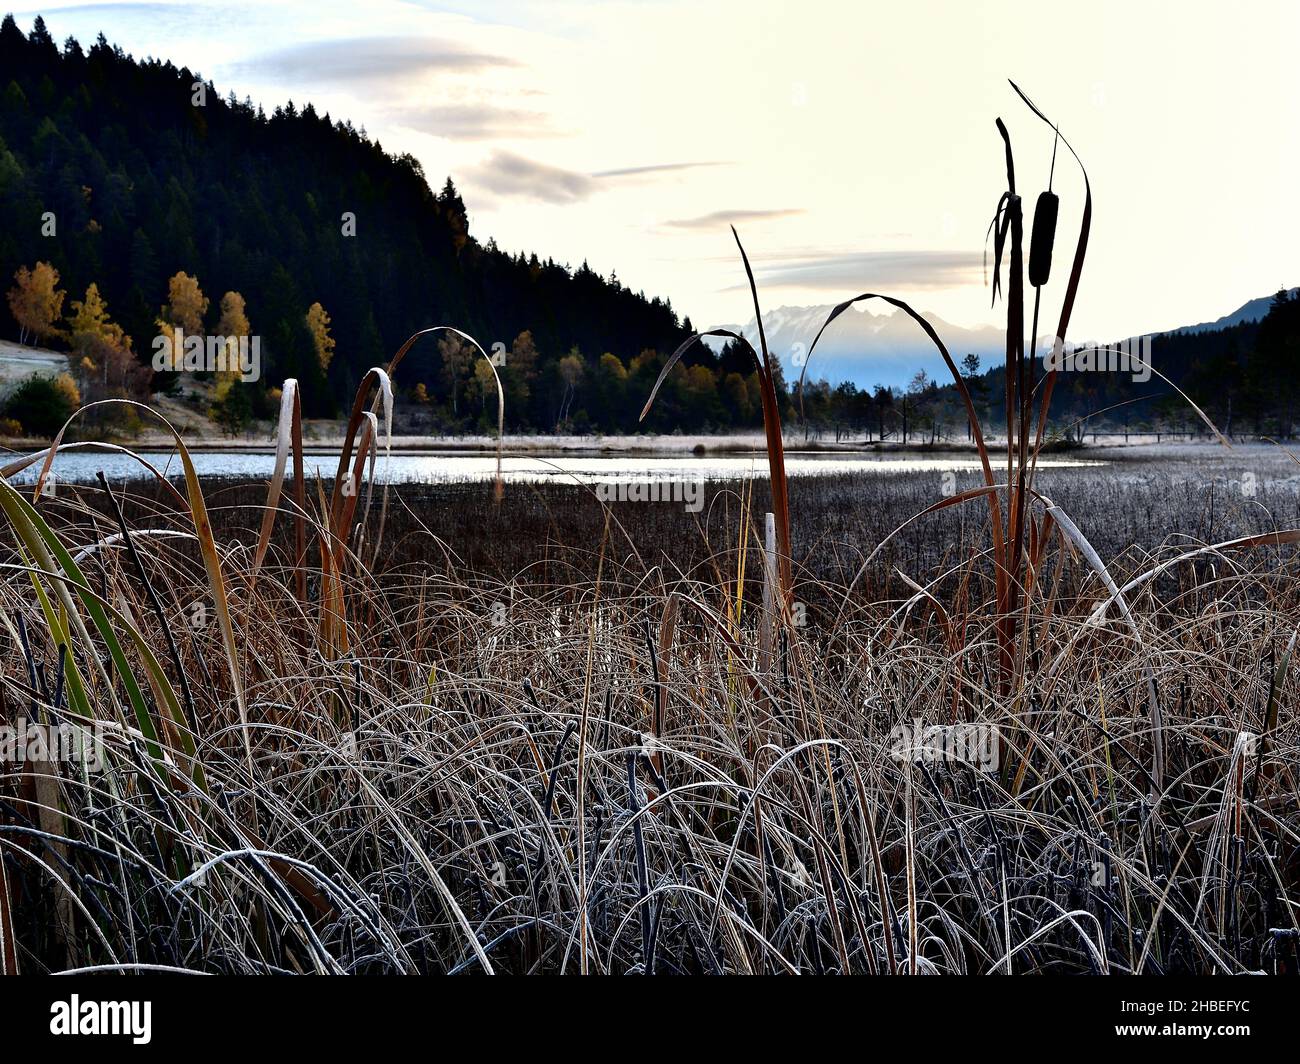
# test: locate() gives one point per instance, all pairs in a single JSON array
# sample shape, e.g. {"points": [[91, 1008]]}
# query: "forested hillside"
{"points": [[1243, 376], [125, 174]]}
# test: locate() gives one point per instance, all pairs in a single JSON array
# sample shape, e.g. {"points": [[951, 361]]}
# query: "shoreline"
{"points": [[664, 445]]}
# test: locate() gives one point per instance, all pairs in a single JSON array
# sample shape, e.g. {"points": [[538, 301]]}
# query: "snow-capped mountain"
{"points": [[885, 346], [866, 346]]}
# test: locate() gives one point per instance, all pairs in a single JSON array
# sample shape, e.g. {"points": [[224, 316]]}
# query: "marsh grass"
{"points": [[355, 729], [424, 784]]}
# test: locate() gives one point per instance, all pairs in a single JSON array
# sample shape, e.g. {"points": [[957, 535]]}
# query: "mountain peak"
{"points": [[1254, 310], [868, 348], [886, 347]]}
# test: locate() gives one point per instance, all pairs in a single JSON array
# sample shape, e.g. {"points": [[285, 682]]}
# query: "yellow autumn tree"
{"points": [[234, 316], [484, 383], [186, 303], [89, 321], [232, 325], [36, 302], [318, 324], [100, 347], [183, 312], [89, 316], [67, 388]]}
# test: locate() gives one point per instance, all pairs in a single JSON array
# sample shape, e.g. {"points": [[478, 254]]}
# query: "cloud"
{"points": [[508, 174], [723, 218], [656, 168], [866, 270], [369, 58], [473, 121], [511, 175], [117, 9]]}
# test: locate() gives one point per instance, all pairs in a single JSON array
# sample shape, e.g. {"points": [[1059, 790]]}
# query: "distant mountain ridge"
{"points": [[885, 347], [1254, 310], [865, 346]]}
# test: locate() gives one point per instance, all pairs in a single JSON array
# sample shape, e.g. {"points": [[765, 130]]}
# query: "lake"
{"points": [[80, 466]]}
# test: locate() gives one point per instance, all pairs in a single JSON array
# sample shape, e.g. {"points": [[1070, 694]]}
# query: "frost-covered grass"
{"points": [[533, 747]]}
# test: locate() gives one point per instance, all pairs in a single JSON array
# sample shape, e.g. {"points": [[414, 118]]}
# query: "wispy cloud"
{"points": [[655, 168], [114, 9], [723, 218], [369, 58], [874, 269], [508, 174], [512, 175], [473, 121]]}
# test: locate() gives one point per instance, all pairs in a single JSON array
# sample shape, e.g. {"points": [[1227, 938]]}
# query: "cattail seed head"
{"points": [[1044, 235]]}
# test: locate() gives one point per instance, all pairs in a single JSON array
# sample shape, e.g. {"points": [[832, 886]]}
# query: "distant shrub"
{"points": [[233, 411], [42, 404]]}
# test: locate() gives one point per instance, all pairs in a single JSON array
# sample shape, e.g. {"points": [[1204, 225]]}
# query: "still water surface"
{"points": [[460, 467]]}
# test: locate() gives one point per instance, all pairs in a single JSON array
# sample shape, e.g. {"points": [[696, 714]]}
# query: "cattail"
{"points": [[1040, 246]]}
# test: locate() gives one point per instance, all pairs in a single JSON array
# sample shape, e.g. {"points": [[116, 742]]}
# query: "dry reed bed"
{"points": [[333, 747], [489, 760]]}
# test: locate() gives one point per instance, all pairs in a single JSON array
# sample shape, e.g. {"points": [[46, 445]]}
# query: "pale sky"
{"points": [[852, 144]]}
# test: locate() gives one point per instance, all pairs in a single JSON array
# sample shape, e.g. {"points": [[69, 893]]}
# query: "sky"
{"points": [[852, 145]]}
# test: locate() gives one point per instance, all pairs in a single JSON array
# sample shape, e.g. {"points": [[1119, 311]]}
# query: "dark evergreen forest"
{"points": [[143, 183]]}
